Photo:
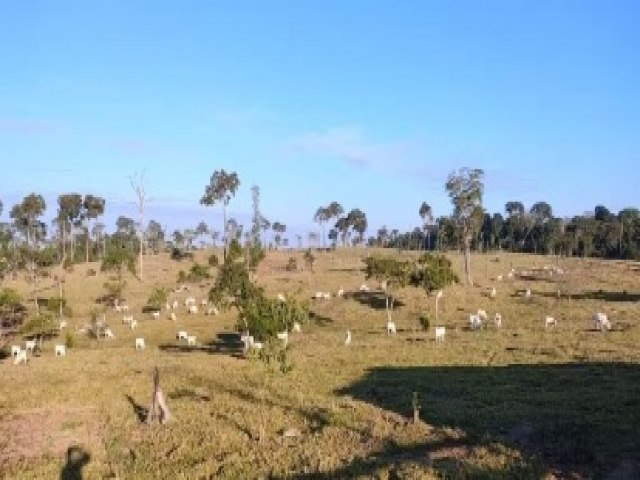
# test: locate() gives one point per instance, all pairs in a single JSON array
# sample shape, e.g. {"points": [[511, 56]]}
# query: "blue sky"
{"points": [[370, 103]]}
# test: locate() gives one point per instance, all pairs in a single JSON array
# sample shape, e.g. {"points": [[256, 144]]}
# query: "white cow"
{"points": [[155, 315], [296, 327], [167, 306], [391, 328], [340, 293], [493, 293], [191, 340], [63, 324], [281, 298], [193, 309], [284, 336], [182, 335], [21, 357], [140, 344], [124, 308], [498, 320], [440, 333], [174, 305], [364, 287], [326, 295], [347, 341], [319, 295], [173, 316], [127, 319], [108, 333], [30, 345], [133, 325], [549, 321], [483, 315], [601, 321], [15, 350], [213, 311], [527, 293], [475, 321], [60, 350]]}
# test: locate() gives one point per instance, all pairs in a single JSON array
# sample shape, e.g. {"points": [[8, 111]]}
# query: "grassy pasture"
{"points": [[522, 401]]}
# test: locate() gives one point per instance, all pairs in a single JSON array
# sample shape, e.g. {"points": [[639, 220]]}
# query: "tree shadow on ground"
{"points": [[375, 300], [576, 418], [227, 343], [140, 411], [318, 319], [77, 458]]}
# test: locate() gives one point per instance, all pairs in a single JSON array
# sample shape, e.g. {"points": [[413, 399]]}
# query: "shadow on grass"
{"points": [[318, 319], [375, 300], [224, 344], [139, 410], [575, 418], [77, 458]]}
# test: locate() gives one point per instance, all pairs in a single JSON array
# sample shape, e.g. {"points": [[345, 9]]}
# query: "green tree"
{"points": [[394, 274], [433, 272], [221, 188], [321, 217], [69, 211], [92, 208], [358, 221], [465, 188]]}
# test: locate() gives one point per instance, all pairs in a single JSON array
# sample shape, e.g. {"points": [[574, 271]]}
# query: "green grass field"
{"points": [[522, 401]]}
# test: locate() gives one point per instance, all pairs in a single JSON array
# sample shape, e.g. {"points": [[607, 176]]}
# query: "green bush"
{"points": [[158, 297], [69, 340], [196, 273], [425, 321], [433, 272]]}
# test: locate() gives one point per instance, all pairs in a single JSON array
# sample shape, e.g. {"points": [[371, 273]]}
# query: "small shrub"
{"points": [[213, 260], [69, 340], [158, 297], [91, 273], [68, 264], [197, 272], [292, 265], [425, 321]]}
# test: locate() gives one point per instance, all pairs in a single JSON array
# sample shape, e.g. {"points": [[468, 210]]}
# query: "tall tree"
{"points": [[358, 221], [426, 214], [69, 211], [322, 217], [92, 208], [221, 188], [279, 229], [466, 188], [202, 229]]}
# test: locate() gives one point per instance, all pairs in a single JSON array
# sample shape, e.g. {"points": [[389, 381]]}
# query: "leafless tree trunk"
{"points": [[138, 187], [467, 260], [159, 410]]}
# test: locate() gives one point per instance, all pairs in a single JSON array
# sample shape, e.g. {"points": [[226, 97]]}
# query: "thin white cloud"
{"points": [[351, 145]]}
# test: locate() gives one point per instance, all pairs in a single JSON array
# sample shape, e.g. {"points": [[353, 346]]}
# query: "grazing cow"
{"points": [[133, 325], [440, 333], [601, 321], [108, 333], [475, 321], [155, 315], [326, 295], [60, 350], [21, 357], [391, 328], [182, 335], [319, 295], [191, 340], [549, 322], [127, 319], [30, 345], [347, 341], [193, 309], [63, 324], [284, 336], [140, 344], [364, 287], [124, 308]]}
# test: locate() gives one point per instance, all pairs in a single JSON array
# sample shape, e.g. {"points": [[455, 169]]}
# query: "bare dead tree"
{"points": [[137, 183], [159, 410]]}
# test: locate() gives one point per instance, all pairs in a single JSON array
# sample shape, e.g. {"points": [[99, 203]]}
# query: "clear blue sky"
{"points": [[370, 103]]}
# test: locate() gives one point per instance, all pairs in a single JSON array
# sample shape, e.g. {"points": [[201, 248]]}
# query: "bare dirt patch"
{"points": [[46, 432]]}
